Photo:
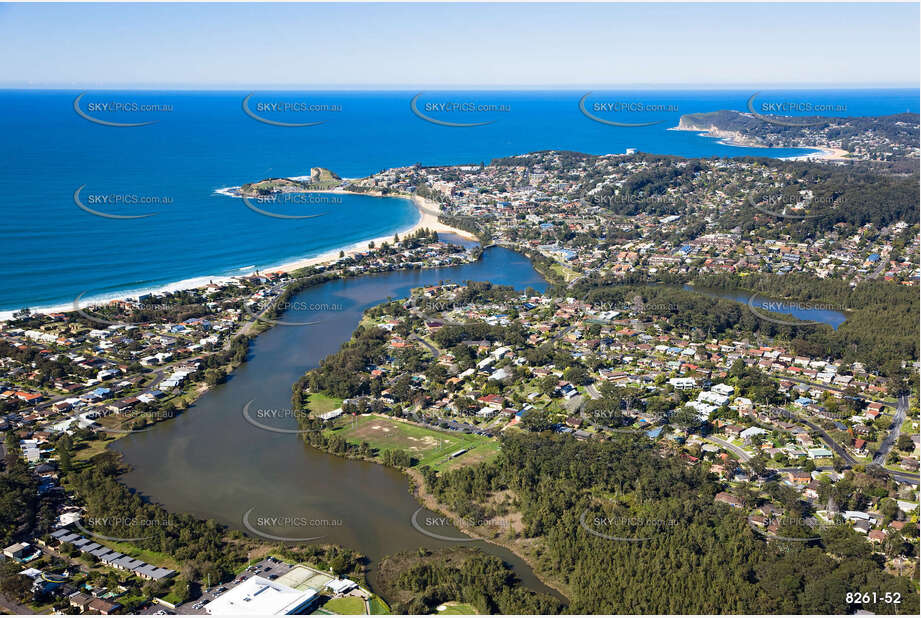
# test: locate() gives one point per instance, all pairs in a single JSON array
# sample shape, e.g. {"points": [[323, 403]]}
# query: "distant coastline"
{"points": [[737, 140]]}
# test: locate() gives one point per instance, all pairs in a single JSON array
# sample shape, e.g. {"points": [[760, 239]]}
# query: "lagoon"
{"points": [[212, 463]]}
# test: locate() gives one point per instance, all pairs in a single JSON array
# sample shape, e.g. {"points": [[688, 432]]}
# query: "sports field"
{"points": [[352, 606], [431, 447]]}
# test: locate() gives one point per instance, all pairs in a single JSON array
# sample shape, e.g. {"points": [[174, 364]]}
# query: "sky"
{"points": [[304, 46]]}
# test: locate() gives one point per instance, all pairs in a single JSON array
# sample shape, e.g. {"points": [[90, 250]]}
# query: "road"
{"points": [[434, 351], [837, 448], [15, 608], [902, 477], [892, 438], [159, 374], [592, 391], [739, 451]]}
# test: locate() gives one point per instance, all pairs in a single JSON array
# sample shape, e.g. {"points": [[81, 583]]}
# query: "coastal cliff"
{"points": [[723, 124], [320, 179]]}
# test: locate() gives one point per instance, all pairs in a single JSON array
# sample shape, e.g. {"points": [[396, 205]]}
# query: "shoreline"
{"points": [[734, 139], [430, 502], [428, 218], [427, 500], [825, 153]]}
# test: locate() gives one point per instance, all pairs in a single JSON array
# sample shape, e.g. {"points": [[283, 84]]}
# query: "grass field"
{"points": [[378, 606], [148, 556], [430, 447], [88, 450], [350, 606], [318, 403]]}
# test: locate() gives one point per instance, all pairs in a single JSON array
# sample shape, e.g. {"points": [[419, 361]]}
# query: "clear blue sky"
{"points": [[412, 45]]}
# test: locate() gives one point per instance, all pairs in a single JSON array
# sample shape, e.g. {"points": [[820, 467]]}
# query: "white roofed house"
{"points": [[713, 398], [751, 432], [341, 586], [704, 410], [683, 383]]}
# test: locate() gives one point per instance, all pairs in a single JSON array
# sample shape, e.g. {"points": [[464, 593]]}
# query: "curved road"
{"points": [[738, 451]]}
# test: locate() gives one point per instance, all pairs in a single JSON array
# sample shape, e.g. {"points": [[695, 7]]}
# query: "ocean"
{"points": [[198, 143]]}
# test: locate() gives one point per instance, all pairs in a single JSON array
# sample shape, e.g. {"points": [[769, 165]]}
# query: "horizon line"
{"points": [[453, 87]]}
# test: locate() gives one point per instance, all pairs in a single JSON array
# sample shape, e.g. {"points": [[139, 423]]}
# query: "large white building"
{"points": [[681, 384], [258, 596]]}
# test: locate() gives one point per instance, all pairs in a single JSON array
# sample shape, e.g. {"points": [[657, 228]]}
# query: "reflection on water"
{"points": [[807, 312], [212, 463]]}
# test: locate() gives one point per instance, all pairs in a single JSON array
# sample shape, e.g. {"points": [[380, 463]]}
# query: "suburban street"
{"points": [[739, 452], [894, 431]]}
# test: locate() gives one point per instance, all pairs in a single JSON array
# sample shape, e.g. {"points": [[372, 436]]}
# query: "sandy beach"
{"points": [[428, 219], [825, 153]]}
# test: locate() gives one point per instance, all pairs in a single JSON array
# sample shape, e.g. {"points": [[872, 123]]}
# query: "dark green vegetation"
{"points": [[321, 179], [696, 556], [269, 186], [844, 198], [881, 328], [21, 507], [199, 545], [417, 583], [199, 550], [898, 128], [345, 374]]}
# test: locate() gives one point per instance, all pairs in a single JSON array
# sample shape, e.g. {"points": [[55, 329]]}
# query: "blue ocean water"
{"points": [[200, 142]]}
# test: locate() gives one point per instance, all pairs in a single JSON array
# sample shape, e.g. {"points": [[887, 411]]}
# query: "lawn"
{"points": [[89, 449], [378, 606], [566, 273], [151, 557], [352, 606], [432, 448], [318, 403]]}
